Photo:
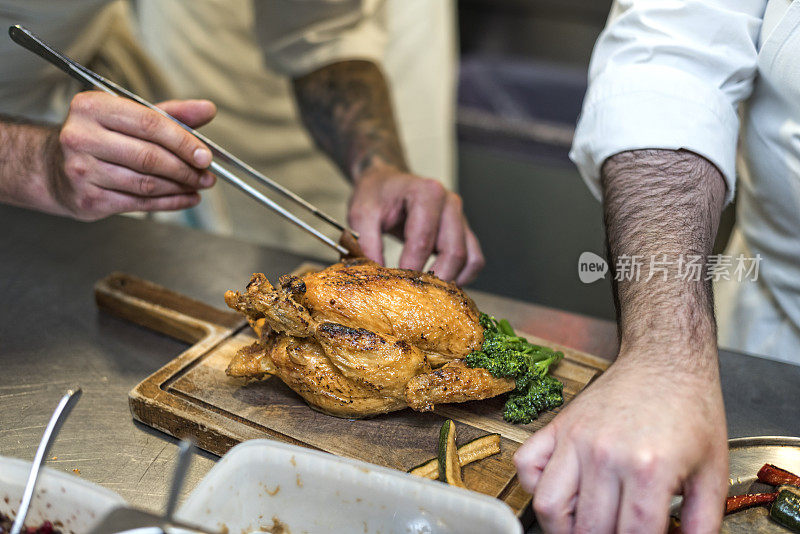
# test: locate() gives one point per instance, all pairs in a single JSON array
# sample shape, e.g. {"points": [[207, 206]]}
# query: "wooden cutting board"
{"points": [[192, 396]]}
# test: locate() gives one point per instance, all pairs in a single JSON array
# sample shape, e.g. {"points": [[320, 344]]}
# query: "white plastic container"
{"points": [[77, 504], [261, 484]]}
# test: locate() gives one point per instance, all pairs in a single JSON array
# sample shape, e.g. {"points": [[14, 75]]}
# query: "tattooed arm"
{"points": [[347, 108], [654, 424], [111, 155]]}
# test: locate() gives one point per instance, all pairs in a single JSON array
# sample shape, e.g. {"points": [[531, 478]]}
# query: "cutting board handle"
{"points": [[161, 309]]}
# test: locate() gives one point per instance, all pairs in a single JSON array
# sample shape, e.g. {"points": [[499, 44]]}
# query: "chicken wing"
{"points": [[379, 361], [304, 366], [454, 382]]}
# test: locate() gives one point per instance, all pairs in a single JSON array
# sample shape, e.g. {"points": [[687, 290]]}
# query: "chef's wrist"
{"points": [[374, 167], [54, 175], [693, 355], [32, 161], [667, 313]]}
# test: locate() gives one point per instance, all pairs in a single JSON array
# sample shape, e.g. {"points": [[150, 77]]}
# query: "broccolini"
{"points": [[506, 355]]}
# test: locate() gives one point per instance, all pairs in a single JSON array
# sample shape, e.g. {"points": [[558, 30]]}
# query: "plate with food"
{"points": [[63, 503], [764, 486]]}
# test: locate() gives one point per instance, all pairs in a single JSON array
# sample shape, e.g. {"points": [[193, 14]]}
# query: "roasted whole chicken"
{"points": [[357, 339]]}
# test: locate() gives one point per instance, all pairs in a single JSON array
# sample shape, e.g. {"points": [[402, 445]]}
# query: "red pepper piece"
{"points": [[740, 502], [775, 476]]}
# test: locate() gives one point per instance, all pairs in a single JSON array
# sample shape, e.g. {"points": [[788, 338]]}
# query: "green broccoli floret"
{"points": [[506, 355], [524, 406]]}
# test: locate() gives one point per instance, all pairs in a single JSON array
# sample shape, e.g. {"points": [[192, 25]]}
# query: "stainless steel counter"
{"points": [[52, 336]]}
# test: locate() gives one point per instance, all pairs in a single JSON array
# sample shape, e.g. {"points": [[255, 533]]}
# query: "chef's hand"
{"points": [[428, 217], [117, 156], [611, 460]]}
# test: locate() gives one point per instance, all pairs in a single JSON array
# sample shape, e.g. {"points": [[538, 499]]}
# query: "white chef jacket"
{"points": [[672, 74]]}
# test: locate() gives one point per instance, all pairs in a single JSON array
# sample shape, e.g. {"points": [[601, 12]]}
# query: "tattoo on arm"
{"points": [[347, 109], [662, 203]]}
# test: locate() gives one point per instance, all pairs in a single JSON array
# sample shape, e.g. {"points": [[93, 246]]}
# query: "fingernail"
{"points": [[202, 157]]}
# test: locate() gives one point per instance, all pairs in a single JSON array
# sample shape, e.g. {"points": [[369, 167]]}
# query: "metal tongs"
{"points": [[25, 38]]}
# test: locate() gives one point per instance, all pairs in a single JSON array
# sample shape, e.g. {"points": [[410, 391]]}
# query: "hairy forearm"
{"points": [[663, 204], [347, 108], [28, 153]]}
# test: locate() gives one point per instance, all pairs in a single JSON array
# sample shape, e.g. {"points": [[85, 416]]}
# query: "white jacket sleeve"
{"points": [[299, 36], [669, 74]]}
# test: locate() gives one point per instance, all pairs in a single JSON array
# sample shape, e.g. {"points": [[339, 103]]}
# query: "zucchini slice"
{"points": [[786, 510], [449, 465], [479, 448], [472, 451], [429, 469]]}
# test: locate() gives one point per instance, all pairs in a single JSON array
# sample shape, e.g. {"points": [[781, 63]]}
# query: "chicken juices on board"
{"points": [[358, 339]]}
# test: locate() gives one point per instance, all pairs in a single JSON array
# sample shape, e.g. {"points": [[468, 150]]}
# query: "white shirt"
{"points": [[671, 74]]}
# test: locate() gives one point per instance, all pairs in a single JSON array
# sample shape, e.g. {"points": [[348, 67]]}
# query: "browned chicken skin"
{"points": [[357, 339]]}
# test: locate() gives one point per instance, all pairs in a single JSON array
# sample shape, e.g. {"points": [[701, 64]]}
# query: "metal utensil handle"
{"points": [[181, 468], [28, 40], [247, 189], [65, 405]]}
